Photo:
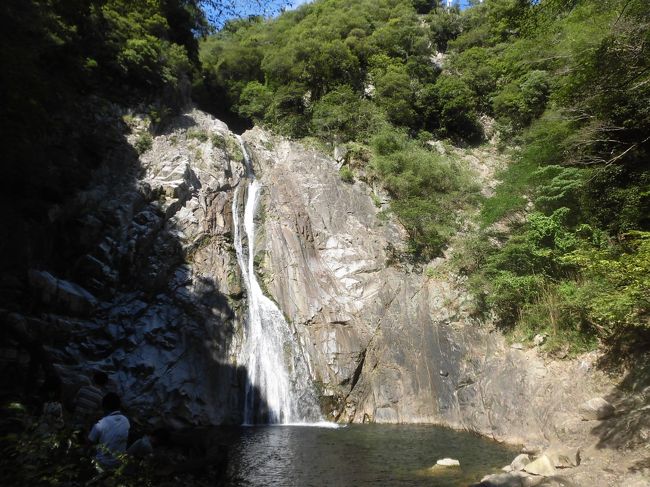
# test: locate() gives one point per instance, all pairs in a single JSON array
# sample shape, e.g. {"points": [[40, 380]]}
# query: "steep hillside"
{"points": [[563, 245], [446, 212]]}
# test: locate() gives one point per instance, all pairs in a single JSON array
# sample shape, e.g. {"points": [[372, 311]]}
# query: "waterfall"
{"points": [[279, 388]]}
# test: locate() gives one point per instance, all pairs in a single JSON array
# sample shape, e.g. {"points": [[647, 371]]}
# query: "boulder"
{"points": [[520, 462], [62, 293], [563, 456], [532, 449], [340, 153], [512, 479], [541, 466], [448, 462], [596, 408]]}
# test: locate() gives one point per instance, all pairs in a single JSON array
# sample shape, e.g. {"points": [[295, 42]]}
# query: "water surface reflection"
{"points": [[360, 455]]}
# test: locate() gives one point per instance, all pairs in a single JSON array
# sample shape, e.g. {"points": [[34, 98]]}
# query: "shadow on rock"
{"points": [[628, 427], [126, 274]]}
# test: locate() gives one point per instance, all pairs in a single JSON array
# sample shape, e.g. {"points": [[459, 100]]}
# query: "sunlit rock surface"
{"points": [[387, 343], [156, 298]]}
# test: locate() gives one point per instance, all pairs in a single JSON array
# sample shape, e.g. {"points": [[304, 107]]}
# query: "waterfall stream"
{"points": [[279, 388]]}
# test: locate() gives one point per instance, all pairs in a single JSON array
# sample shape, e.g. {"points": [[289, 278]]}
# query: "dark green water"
{"points": [[361, 455]]}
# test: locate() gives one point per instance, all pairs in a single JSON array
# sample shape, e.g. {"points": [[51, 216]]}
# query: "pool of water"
{"points": [[360, 455]]}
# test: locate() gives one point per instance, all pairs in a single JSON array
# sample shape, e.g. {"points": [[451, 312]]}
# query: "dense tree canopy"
{"points": [[567, 83]]}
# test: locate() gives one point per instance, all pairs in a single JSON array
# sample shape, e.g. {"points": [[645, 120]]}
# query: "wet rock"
{"points": [[541, 466], [520, 462], [448, 462], [596, 408], [511, 479]]}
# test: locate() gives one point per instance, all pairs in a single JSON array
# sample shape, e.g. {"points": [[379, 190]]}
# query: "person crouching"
{"points": [[110, 434]]}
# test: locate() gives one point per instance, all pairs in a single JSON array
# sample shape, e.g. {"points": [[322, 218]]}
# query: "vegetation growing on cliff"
{"points": [[568, 85], [357, 72], [564, 241]]}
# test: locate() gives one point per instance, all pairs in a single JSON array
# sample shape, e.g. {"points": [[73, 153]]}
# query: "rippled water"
{"points": [[360, 455]]}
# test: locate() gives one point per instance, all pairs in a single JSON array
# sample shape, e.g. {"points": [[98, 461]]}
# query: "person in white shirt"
{"points": [[110, 434]]}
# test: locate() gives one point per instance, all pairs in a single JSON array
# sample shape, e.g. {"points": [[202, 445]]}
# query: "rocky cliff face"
{"points": [[388, 343], [151, 293], [155, 296]]}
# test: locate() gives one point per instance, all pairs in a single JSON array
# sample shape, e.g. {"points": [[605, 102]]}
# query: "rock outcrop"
{"points": [[387, 342], [152, 294], [151, 288], [596, 408]]}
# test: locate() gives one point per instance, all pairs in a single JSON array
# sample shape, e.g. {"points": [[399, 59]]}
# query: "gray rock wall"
{"points": [[156, 300], [386, 342]]}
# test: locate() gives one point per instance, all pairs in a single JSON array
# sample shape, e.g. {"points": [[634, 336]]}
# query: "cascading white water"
{"points": [[279, 388]]}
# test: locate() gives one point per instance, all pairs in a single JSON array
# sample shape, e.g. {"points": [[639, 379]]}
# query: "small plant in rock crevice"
{"points": [[143, 143]]}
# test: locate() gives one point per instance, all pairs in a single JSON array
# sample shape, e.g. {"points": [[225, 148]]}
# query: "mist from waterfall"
{"points": [[279, 388]]}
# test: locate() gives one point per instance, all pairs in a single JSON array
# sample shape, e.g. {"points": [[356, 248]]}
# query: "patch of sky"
{"points": [[246, 8]]}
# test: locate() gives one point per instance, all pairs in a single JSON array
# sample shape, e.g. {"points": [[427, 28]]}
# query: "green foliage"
{"points": [[546, 140], [394, 94], [556, 313], [618, 198], [457, 102], [255, 100], [512, 193], [562, 187], [144, 142], [524, 99], [218, 141], [444, 25], [347, 176], [615, 294], [479, 67], [198, 134], [310, 72], [427, 188], [342, 115], [514, 276], [566, 83]]}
